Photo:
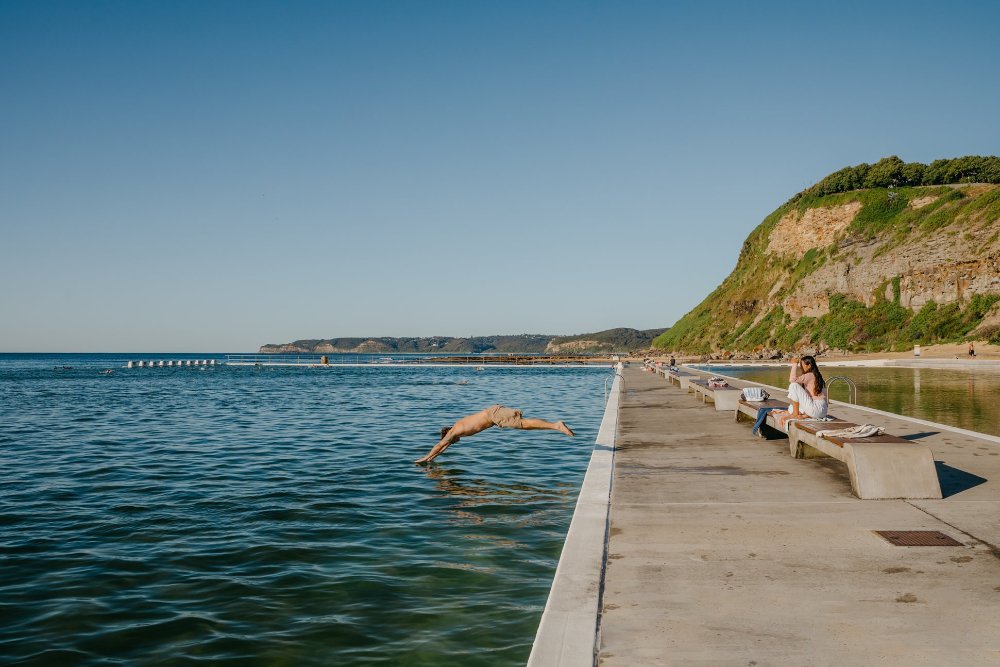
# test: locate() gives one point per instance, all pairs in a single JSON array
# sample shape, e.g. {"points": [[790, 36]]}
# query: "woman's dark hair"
{"points": [[444, 431], [814, 369]]}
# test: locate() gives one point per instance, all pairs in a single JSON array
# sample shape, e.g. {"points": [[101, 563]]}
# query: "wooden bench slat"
{"points": [[769, 403], [885, 438], [815, 427]]}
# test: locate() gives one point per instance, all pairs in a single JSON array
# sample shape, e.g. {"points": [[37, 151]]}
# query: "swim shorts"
{"points": [[504, 417]]}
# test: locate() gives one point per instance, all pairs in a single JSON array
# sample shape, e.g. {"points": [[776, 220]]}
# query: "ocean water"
{"points": [[966, 398], [273, 516]]}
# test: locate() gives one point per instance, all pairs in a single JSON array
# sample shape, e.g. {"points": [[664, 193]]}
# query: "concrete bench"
{"points": [[657, 368], [724, 398], [680, 378], [881, 466]]}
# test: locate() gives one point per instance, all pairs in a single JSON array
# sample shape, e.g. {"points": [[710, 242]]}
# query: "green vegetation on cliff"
{"points": [[873, 269], [892, 172], [621, 339]]}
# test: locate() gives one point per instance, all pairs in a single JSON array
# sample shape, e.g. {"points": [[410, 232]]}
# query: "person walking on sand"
{"points": [[495, 415], [972, 351], [807, 389]]}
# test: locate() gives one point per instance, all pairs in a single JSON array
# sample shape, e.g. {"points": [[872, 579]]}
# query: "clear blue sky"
{"points": [[194, 176]]}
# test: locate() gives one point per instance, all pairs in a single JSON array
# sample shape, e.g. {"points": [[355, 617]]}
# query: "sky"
{"points": [[213, 176]]}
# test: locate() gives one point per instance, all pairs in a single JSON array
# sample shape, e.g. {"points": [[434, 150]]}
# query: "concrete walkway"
{"points": [[724, 550]]}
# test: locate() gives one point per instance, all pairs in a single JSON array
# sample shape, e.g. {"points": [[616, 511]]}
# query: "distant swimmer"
{"points": [[495, 415]]}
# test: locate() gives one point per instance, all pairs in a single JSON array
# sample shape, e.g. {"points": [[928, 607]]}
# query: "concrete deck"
{"points": [[725, 550]]}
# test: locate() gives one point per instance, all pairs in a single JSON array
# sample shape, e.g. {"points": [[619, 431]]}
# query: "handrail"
{"points": [[615, 374], [852, 388]]}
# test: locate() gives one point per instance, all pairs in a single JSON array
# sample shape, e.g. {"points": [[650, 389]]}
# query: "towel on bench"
{"points": [[860, 431], [715, 382], [784, 418]]}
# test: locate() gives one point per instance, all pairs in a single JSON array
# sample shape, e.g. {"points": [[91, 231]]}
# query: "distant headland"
{"points": [[620, 339]]}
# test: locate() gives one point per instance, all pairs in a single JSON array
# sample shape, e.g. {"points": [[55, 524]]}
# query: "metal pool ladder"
{"points": [[611, 378], [852, 389]]}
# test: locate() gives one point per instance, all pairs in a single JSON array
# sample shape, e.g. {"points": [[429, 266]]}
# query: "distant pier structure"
{"points": [[479, 361], [169, 363]]}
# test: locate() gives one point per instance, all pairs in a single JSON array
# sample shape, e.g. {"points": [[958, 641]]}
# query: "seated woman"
{"points": [[807, 390]]}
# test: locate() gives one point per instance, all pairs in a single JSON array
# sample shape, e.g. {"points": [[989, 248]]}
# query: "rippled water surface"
{"points": [[967, 398], [274, 516]]}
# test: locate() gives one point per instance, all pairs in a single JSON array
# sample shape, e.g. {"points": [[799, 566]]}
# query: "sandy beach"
{"points": [[951, 351]]}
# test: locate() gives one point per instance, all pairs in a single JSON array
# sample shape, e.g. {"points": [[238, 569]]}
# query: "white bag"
{"points": [[755, 394]]}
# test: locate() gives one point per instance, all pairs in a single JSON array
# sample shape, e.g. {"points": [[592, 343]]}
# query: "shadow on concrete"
{"points": [[954, 481], [918, 436], [771, 433]]}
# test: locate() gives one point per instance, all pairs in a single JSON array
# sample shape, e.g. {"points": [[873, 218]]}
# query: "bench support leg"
{"points": [[726, 399], [800, 450], [891, 470]]}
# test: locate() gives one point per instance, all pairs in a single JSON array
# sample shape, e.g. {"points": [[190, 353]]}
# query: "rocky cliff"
{"points": [[869, 269]]}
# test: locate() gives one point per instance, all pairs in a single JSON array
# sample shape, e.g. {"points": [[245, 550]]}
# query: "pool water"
{"points": [[272, 516]]}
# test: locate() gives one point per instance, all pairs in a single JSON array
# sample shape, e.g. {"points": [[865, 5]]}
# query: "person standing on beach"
{"points": [[972, 350], [807, 389], [495, 415]]}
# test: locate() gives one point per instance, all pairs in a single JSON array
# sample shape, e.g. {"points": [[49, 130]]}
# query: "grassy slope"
{"points": [[730, 318]]}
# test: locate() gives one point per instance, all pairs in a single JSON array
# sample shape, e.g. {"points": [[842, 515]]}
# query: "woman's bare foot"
{"points": [[565, 429]]}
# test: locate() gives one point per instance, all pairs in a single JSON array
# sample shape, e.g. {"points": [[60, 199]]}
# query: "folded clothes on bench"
{"points": [[860, 431], [716, 382]]}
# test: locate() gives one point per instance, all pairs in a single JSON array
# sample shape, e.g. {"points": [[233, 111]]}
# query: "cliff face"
{"points": [[950, 264], [868, 269]]}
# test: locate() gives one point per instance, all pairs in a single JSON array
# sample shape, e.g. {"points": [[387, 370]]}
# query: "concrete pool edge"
{"points": [[568, 630]]}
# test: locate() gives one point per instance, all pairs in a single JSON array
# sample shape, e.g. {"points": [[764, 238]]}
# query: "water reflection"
{"points": [[453, 482]]}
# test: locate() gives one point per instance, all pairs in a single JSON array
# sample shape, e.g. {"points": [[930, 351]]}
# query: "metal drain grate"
{"points": [[918, 538]]}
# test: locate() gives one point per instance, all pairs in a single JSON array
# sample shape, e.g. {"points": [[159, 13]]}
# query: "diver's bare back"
{"points": [[472, 424], [495, 415]]}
